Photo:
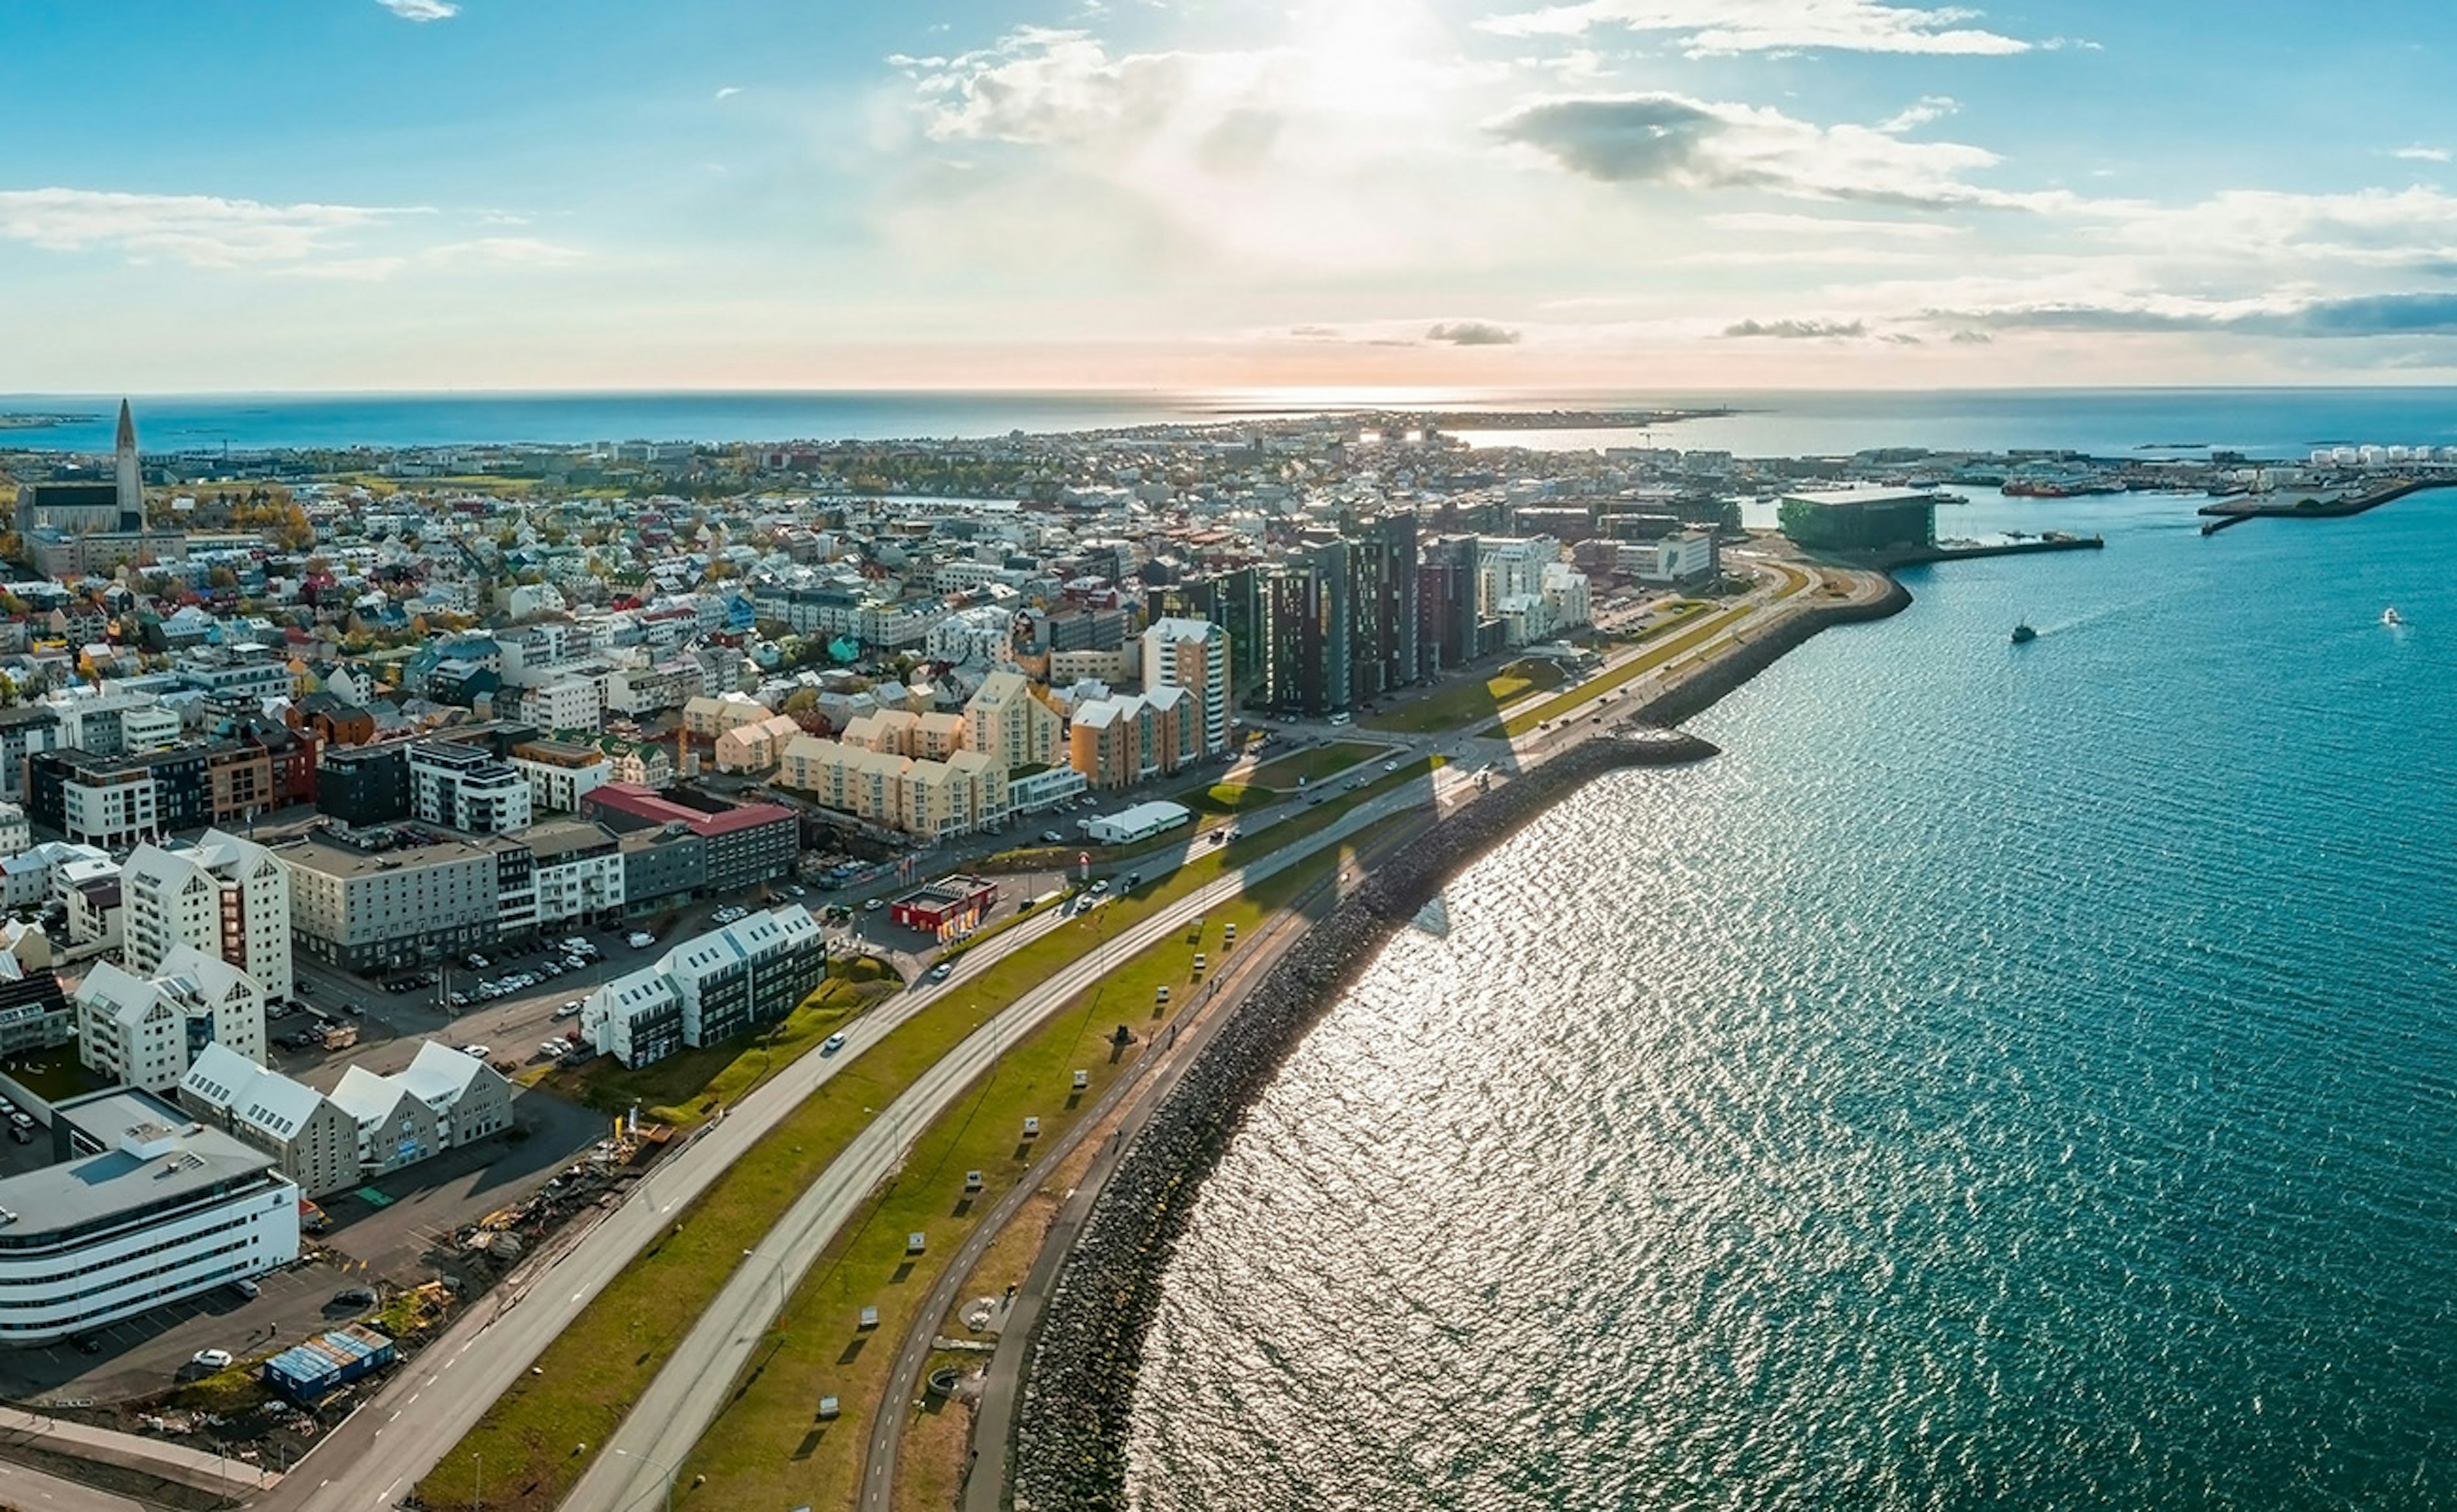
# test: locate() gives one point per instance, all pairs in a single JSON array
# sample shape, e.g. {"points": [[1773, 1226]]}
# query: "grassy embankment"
{"points": [[1314, 765], [769, 1447], [589, 1376], [1693, 633], [1462, 705]]}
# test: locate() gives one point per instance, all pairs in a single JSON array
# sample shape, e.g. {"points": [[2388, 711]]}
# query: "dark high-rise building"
{"points": [[1310, 606], [1446, 600], [1382, 564]]}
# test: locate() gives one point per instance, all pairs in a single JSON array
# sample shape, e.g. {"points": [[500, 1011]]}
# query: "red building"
{"points": [[947, 906]]}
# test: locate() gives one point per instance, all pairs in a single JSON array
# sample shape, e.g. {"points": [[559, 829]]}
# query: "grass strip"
{"points": [[1470, 703], [1312, 766], [1696, 634], [769, 1447], [586, 1380]]}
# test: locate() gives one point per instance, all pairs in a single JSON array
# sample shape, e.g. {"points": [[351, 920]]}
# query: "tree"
{"points": [[802, 701]]}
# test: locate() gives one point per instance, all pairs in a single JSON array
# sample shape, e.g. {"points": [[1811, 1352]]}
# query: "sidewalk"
{"points": [[171, 1461]]}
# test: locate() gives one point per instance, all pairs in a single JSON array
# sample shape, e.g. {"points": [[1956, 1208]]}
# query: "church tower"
{"points": [[131, 475]]}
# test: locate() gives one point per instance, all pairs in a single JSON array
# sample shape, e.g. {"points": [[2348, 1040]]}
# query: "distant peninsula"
{"points": [[44, 422]]}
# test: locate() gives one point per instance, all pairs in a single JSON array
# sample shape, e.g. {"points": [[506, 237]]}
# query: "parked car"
{"points": [[569, 1009], [210, 1359], [475, 1052], [1052, 837], [355, 1297], [246, 1288], [552, 1049], [640, 940], [872, 905]]}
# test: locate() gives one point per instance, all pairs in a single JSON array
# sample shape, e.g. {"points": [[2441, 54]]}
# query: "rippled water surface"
{"points": [[2007, 1077]]}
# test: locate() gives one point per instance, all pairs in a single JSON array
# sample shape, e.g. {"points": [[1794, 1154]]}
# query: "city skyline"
{"points": [[407, 194]]}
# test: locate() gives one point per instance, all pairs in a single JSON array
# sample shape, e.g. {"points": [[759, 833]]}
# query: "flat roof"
{"points": [[319, 854], [193, 1161], [641, 804], [1845, 498], [949, 890]]}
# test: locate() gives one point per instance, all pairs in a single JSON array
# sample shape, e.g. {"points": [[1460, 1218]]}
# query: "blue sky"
{"points": [[1544, 193]]}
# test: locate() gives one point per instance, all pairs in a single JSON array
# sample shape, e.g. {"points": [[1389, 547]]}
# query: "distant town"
{"points": [[308, 760]]}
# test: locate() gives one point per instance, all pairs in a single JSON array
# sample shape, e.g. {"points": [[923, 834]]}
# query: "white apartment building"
{"points": [[146, 1031], [567, 703], [111, 813], [1192, 654], [225, 896], [316, 1144], [1567, 598], [465, 788], [16, 834], [1508, 567], [151, 1208], [1688, 557]]}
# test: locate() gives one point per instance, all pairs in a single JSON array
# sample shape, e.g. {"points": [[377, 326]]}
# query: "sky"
{"points": [[1562, 196]]}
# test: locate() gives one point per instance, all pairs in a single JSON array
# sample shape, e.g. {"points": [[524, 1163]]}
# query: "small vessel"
{"points": [[2390, 616], [2024, 635]]}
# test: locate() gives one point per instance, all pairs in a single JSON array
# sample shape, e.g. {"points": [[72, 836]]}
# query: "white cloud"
{"points": [[1756, 26], [202, 229], [729, 91], [1928, 108], [421, 9], [1672, 140], [1777, 224], [2421, 154]]}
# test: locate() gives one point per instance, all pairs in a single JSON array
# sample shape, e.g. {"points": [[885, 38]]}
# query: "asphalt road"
{"points": [[385, 1448], [678, 1406]]}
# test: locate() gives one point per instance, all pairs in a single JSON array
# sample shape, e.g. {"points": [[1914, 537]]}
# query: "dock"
{"points": [[2221, 513], [1970, 550]]}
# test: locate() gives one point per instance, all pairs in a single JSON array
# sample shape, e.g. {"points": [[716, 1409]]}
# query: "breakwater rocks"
{"points": [[1068, 1453], [1696, 694], [1079, 1383]]}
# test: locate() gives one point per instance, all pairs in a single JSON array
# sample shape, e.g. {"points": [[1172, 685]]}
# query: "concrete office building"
{"points": [[371, 909], [144, 1207], [225, 896], [745, 844]]}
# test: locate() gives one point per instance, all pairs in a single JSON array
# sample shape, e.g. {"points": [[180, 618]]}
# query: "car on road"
{"points": [[639, 939], [1099, 885], [831, 1043], [1219, 837], [569, 1009], [210, 1359], [1390, 766], [942, 971], [798, 890], [872, 905], [1052, 837]]}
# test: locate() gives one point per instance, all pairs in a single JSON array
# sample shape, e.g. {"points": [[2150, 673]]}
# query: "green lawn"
{"points": [[53, 1075], [689, 1087], [1312, 765], [1227, 797], [1464, 704], [589, 1376], [1671, 639], [769, 1447]]}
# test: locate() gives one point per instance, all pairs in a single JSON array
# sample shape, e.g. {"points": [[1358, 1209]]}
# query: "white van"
{"points": [[1340, 719]]}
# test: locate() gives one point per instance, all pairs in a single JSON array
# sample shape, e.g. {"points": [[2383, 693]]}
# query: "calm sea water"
{"points": [[2008, 1077], [2178, 422]]}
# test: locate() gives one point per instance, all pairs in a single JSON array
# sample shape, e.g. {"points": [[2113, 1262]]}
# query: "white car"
{"points": [[569, 1009], [475, 1052], [639, 939], [553, 1050], [831, 1043], [210, 1359]]}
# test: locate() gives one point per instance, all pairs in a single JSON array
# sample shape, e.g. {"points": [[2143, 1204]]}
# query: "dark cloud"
{"points": [[2418, 314], [1967, 337], [1799, 330], [1645, 138], [1473, 333]]}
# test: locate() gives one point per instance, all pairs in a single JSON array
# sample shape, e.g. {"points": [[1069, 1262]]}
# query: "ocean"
{"points": [[2008, 1076], [2268, 423]]}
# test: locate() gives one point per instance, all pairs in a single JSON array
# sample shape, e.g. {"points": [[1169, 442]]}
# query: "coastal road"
{"points": [[374, 1459], [27, 1490], [670, 1418]]}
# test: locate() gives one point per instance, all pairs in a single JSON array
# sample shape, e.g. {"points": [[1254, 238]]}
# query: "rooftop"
{"points": [[152, 1154]]}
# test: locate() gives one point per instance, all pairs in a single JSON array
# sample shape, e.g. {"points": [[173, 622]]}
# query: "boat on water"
{"points": [[2390, 616], [2024, 635]]}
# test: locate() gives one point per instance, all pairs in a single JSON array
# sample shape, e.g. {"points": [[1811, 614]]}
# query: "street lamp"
{"points": [[654, 1464]]}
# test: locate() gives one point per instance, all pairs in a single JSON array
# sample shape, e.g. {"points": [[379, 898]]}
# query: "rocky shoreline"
{"points": [[1079, 1381]]}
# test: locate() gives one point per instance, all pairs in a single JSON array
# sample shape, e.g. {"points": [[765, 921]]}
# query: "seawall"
{"points": [[1070, 1426]]}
